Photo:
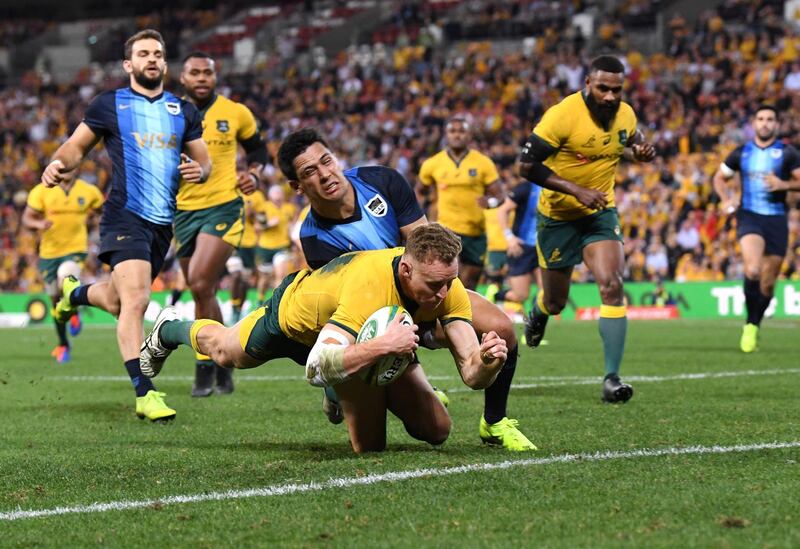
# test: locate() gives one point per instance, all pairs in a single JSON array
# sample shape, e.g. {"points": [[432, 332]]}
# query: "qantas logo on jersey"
{"points": [[156, 140], [377, 206]]}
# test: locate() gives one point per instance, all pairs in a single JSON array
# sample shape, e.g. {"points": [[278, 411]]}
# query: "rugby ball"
{"points": [[390, 367]]}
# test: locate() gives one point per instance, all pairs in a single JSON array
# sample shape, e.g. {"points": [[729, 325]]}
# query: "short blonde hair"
{"points": [[433, 242]]}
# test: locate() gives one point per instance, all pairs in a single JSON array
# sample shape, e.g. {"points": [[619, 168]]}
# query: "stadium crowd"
{"points": [[387, 105]]}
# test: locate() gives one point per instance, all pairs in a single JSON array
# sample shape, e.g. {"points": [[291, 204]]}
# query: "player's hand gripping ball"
{"points": [[390, 367]]}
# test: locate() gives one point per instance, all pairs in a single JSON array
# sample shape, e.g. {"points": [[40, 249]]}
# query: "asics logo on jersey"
{"points": [[156, 140]]}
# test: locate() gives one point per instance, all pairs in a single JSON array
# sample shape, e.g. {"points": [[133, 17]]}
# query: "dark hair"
{"points": [[433, 242], [607, 63], [197, 54], [143, 35], [766, 107], [294, 145]]}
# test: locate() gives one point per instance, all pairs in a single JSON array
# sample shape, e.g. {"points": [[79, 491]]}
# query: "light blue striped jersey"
{"points": [[754, 163], [144, 137]]}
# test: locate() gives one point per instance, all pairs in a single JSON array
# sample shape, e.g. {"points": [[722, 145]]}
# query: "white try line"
{"points": [[396, 476], [540, 381]]}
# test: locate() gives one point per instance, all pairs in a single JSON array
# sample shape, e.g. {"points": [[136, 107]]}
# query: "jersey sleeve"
{"points": [[490, 173], [97, 199], [520, 193], [100, 112], [398, 192], [36, 198], [247, 123], [456, 305], [554, 127], [426, 172], [791, 159], [734, 160], [194, 122]]}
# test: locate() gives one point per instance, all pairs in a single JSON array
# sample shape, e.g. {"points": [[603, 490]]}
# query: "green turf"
{"points": [[69, 443]]}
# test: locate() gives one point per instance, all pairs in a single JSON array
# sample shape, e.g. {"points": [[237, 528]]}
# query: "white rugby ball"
{"points": [[390, 367]]}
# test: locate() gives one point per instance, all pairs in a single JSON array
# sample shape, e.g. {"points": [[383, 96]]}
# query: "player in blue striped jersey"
{"points": [[153, 138], [521, 240], [767, 169], [374, 207]]}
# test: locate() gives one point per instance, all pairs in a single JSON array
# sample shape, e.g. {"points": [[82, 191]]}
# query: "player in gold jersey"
{"points": [[208, 224], [61, 214], [573, 153], [242, 264], [274, 240], [313, 317], [463, 182]]}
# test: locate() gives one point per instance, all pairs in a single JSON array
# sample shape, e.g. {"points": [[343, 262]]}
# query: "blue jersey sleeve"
{"points": [[791, 161], [734, 160], [101, 114], [520, 193], [397, 190], [194, 122]]}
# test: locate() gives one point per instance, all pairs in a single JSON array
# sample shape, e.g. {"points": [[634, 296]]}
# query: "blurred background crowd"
{"points": [[383, 99]]}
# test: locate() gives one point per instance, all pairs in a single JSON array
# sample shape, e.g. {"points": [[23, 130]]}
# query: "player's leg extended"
{"points": [[412, 399], [753, 247], [365, 414], [495, 427], [224, 345], [606, 261]]}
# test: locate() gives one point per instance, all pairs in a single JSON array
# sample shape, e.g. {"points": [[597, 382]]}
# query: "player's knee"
{"points": [[440, 430], [505, 329], [611, 289], [362, 446], [554, 305], [753, 272], [202, 287]]}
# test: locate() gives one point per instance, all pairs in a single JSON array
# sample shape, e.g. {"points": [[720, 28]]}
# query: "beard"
{"points": [[603, 113], [147, 82]]}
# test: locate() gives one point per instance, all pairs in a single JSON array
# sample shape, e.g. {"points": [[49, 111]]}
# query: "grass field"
{"points": [[706, 454]]}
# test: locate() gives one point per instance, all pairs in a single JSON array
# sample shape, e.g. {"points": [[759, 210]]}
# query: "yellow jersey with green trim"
{"points": [[225, 123], [348, 289], [253, 204], [68, 210], [587, 154], [458, 187], [278, 236]]}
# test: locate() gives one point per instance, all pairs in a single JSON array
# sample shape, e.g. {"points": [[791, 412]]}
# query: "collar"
{"points": [[150, 99]]}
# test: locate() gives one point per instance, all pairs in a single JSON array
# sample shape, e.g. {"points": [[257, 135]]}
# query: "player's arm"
{"points": [[721, 182], [336, 356], [69, 155], [503, 217], [257, 157], [35, 219], [792, 161], [535, 151], [405, 230], [493, 196], [639, 150], [195, 166], [477, 362]]}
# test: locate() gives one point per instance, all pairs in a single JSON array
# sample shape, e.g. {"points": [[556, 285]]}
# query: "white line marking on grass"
{"points": [[396, 476], [644, 379], [541, 381]]}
